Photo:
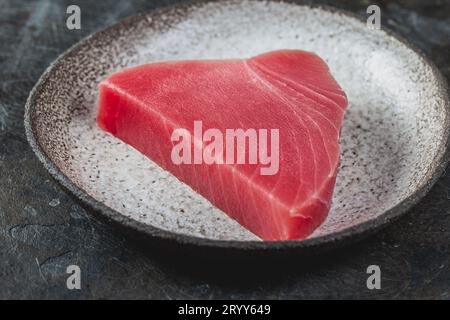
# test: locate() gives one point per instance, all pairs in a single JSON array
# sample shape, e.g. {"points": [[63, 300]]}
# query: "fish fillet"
{"points": [[288, 90]]}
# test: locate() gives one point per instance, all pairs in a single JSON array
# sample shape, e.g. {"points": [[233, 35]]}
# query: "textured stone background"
{"points": [[42, 229]]}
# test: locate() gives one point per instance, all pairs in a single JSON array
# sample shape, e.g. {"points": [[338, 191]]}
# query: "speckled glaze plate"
{"points": [[394, 140]]}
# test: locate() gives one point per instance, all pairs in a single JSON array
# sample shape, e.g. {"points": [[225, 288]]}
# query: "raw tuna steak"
{"points": [[289, 92]]}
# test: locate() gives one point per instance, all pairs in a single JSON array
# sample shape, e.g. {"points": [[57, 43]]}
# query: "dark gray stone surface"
{"points": [[43, 230]]}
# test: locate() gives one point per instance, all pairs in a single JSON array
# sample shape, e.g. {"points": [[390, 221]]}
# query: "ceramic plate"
{"points": [[394, 138]]}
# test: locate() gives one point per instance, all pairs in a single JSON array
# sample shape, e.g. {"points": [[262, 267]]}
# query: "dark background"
{"points": [[43, 230]]}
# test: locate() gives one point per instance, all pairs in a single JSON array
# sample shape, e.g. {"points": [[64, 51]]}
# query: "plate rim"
{"points": [[439, 162]]}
